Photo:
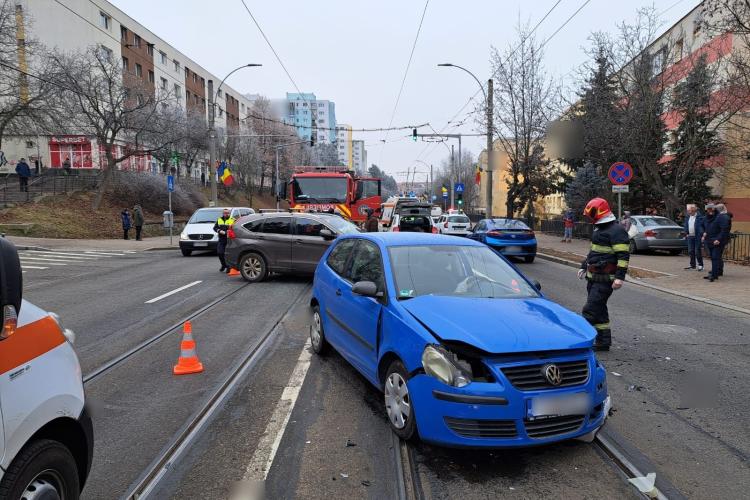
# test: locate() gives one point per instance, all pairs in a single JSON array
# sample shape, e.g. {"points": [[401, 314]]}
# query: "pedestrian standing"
{"points": [[138, 221], [604, 268], [222, 226], [125, 216], [716, 238], [568, 225], [371, 225], [24, 172], [66, 166], [626, 220], [694, 229]]}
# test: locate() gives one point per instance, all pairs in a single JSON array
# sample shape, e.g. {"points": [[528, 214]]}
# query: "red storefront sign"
{"points": [[75, 148]]}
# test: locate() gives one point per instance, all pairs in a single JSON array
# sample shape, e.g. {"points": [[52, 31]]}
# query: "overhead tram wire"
{"points": [[403, 80], [533, 30]]}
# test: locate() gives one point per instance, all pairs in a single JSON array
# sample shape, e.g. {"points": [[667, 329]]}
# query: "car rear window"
{"points": [[509, 224], [458, 219], [656, 221], [418, 223]]}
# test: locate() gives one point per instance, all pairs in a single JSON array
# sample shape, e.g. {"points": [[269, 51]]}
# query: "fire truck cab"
{"points": [[46, 436]]}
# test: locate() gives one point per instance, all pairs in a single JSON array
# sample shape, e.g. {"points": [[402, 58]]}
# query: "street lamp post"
{"points": [[212, 128], [488, 104]]}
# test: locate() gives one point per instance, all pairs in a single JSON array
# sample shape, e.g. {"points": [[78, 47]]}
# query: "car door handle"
{"points": [[338, 292], [298, 241]]}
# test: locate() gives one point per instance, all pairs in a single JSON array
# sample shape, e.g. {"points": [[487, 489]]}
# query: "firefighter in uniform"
{"points": [[223, 224], [604, 268]]}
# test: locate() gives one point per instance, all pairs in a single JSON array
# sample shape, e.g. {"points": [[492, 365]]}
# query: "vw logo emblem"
{"points": [[553, 374]]}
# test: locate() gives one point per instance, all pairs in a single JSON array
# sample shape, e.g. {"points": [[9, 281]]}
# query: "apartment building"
{"points": [[147, 60], [311, 116], [344, 145], [359, 157]]}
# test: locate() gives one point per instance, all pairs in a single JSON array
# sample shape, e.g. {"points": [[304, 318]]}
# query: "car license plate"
{"points": [[513, 249], [459, 227], [556, 406], [201, 244]]}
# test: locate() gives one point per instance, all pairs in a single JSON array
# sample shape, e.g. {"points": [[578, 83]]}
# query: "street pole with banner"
{"points": [[620, 174]]}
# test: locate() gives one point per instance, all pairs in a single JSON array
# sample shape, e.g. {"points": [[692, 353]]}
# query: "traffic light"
{"points": [[460, 201], [312, 140], [414, 135]]}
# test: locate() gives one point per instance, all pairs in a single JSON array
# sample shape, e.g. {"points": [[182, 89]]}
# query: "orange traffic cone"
{"points": [[188, 361], [233, 272]]}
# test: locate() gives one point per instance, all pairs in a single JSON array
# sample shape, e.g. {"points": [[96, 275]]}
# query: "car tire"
{"points": [[675, 252], [253, 267], [186, 252], [317, 335], [401, 417], [42, 465], [633, 248], [529, 258]]}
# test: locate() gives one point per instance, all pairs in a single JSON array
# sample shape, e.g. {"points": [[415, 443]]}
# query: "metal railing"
{"points": [[45, 184], [556, 226]]}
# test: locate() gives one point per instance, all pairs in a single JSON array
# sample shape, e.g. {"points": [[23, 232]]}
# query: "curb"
{"points": [[156, 249], [637, 281]]}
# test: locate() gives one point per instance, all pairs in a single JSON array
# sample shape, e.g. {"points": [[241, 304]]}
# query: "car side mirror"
{"points": [[11, 287], [366, 289], [537, 285], [327, 234]]}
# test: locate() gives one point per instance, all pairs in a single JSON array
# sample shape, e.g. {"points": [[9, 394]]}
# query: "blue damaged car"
{"points": [[466, 350]]}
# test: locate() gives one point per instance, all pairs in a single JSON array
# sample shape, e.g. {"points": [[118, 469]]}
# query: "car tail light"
{"points": [[650, 233], [434, 230], [497, 234], [9, 323], [530, 232], [230, 234], [445, 225]]}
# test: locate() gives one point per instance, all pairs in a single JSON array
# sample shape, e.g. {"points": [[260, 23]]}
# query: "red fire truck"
{"points": [[323, 188]]}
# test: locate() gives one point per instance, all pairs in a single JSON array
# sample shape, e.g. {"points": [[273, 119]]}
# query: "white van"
{"points": [[46, 436], [390, 208], [199, 231]]}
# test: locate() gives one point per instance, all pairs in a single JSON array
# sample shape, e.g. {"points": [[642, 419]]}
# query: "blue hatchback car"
{"points": [[510, 237], [466, 350]]}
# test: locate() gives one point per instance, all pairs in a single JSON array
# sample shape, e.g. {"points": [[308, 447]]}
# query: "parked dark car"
{"points": [[650, 232], [282, 243], [510, 237]]}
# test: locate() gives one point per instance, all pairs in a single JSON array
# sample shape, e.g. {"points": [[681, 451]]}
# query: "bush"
{"points": [[150, 192]]}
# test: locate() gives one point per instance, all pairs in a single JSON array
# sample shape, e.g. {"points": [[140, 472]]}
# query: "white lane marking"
{"points": [[176, 290], [264, 454], [34, 260], [32, 267], [71, 256], [103, 254]]}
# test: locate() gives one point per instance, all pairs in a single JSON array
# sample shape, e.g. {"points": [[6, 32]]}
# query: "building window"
{"points": [[106, 52], [151, 77], [136, 41], [176, 66], [220, 94], [139, 99], [163, 58], [164, 84], [195, 77], [138, 70], [187, 73], [678, 47], [125, 64], [203, 83], [104, 20], [150, 49], [124, 34], [177, 91]]}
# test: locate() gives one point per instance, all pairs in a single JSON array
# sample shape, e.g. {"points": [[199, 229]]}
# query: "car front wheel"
{"points": [[398, 402], [43, 469], [186, 252], [633, 248], [317, 336], [253, 267], [529, 258]]}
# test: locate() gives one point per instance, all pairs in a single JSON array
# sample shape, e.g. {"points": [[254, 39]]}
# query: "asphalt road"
{"points": [[336, 442]]}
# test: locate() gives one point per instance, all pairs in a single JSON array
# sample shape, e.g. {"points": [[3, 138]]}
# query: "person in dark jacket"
{"points": [[716, 238], [222, 226], [371, 225], [125, 216], [24, 172], [138, 221], [604, 268], [66, 166], [694, 229]]}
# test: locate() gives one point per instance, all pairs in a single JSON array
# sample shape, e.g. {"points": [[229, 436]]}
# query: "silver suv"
{"points": [[282, 243]]}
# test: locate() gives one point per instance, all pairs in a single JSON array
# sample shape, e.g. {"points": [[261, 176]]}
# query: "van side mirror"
{"points": [[366, 289], [11, 286]]}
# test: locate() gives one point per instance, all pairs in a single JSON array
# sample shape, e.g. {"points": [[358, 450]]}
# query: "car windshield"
{"points": [[656, 221], [341, 225], [509, 224], [205, 216], [320, 189], [458, 219], [455, 271]]}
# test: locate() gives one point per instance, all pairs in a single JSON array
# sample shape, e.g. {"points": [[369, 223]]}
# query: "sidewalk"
{"points": [[154, 243], [665, 272]]}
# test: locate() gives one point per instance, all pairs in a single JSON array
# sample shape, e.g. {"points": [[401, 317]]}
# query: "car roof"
{"points": [[390, 239]]}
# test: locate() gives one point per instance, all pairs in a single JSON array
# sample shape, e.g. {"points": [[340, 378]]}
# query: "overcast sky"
{"points": [[354, 52]]}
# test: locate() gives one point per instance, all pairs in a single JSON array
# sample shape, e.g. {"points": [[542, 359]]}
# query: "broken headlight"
{"points": [[445, 366]]}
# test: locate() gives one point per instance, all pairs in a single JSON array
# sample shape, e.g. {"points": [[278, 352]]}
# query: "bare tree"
{"points": [[525, 101], [125, 115]]}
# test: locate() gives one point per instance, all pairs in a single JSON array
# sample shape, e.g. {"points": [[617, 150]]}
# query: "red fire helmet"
{"points": [[597, 209]]}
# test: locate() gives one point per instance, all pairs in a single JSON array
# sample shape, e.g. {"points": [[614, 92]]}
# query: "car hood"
{"points": [[207, 228], [500, 326]]}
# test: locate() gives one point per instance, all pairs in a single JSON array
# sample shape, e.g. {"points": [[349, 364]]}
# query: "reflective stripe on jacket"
{"points": [[609, 248]]}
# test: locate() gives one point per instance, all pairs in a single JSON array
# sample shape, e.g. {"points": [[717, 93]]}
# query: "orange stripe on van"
{"points": [[30, 341]]}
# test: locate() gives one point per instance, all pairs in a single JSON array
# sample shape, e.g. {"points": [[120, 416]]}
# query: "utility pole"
{"points": [[432, 185], [453, 178], [212, 143], [276, 183], [488, 210]]}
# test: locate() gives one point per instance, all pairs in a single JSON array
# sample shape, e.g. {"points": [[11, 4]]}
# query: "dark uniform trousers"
{"points": [[595, 310], [223, 224]]}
